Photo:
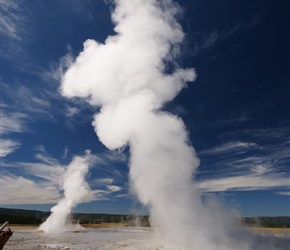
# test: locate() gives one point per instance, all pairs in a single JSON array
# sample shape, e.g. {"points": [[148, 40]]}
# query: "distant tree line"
{"points": [[21, 216], [132, 220], [14, 219], [272, 222]]}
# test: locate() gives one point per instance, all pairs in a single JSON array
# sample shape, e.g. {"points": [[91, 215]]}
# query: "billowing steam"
{"points": [[130, 77], [75, 190], [127, 78]]}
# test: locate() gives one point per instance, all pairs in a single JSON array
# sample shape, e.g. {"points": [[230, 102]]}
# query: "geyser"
{"points": [[128, 78], [75, 190]]}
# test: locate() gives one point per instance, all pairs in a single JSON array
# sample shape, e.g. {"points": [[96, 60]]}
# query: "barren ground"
{"points": [[110, 236]]}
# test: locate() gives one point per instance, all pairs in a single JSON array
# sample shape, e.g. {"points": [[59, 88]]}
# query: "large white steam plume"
{"points": [[75, 190], [129, 79]]}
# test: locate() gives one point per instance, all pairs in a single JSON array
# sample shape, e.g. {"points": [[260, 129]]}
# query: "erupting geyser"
{"points": [[128, 78], [75, 190]]}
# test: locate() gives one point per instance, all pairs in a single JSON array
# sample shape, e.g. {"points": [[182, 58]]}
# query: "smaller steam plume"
{"points": [[75, 190]]}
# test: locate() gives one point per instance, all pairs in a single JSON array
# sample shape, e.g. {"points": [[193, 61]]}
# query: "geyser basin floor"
{"points": [[26, 238], [129, 238]]}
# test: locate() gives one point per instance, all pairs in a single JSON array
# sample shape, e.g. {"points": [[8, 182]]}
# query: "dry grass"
{"points": [[105, 225], [270, 230], [34, 228], [23, 228]]}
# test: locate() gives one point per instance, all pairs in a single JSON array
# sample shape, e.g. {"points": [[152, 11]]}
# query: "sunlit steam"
{"points": [[126, 77], [130, 77], [75, 190]]}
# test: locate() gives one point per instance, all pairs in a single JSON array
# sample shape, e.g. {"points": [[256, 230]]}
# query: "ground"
{"points": [[107, 236]]}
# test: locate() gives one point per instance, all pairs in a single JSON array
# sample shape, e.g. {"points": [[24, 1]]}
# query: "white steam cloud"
{"points": [[129, 79], [75, 190]]}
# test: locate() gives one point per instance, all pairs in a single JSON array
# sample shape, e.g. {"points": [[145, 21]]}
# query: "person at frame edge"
{"points": [[5, 236]]}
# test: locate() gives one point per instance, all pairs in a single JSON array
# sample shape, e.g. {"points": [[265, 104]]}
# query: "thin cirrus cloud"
{"points": [[211, 38], [244, 183], [19, 21], [15, 32], [107, 182], [284, 192], [13, 123], [249, 173], [71, 111], [8, 146], [114, 188], [20, 190], [26, 101], [104, 181], [10, 21], [229, 147], [45, 170], [242, 166]]}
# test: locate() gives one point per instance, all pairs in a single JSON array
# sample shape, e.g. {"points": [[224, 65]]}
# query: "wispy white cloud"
{"points": [[57, 70], [260, 168], [71, 111], [20, 190], [47, 169], [96, 195], [13, 123], [234, 119], [102, 194], [115, 156], [214, 36], [50, 161], [19, 26], [243, 183], [210, 39], [80, 9], [280, 132], [284, 193], [239, 158], [8, 146], [104, 181], [230, 147], [40, 102], [108, 184], [30, 100], [32, 182], [39, 148], [247, 113], [114, 188], [65, 152], [122, 196], [9, 19], [15, 33], [257, 168]]}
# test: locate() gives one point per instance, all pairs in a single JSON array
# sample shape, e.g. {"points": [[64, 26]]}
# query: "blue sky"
{"points": [[236, 111]]}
